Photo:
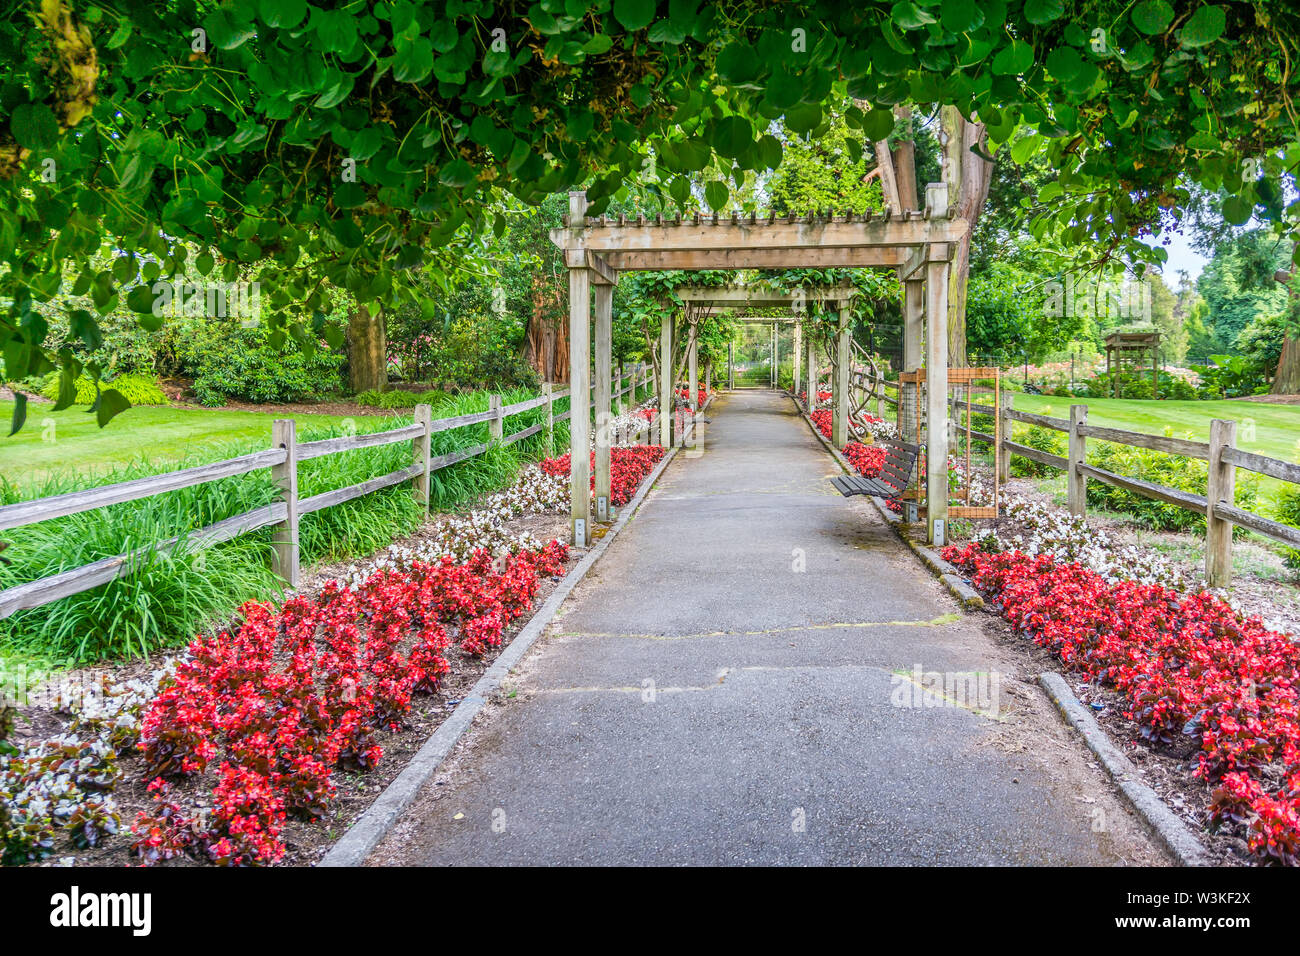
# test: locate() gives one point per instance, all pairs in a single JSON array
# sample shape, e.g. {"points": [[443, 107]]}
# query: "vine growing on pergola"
{"points": [[342, 143]]}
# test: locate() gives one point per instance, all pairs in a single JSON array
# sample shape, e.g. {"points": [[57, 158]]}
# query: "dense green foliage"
{"points": [[1042, 439], [229, 361], [1287, 511], [303, 143], [1171, 471], [136, 388]]}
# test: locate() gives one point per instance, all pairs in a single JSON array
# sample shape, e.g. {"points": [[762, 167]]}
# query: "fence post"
{"points": [[496, 426], [285, 476], [549, 391], [420, 453], [1004, 433], [1221, 487], [1077, 493]]}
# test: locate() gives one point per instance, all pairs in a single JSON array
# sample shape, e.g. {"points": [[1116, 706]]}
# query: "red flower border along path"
{"points": [[627, 466], [295, 692], [276, 704], [1186, 665]]}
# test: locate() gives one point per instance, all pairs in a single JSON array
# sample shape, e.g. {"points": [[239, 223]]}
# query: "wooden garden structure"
{"points": [[918, 243], [963, 381], [1134, 346], [702, 301]]}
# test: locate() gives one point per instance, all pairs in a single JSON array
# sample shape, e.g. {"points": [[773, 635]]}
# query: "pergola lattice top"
{"points": [[705, 300], [608, 246]]}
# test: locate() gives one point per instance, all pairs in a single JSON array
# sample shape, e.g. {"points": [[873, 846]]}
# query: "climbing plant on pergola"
{"points": [[918, 243]]}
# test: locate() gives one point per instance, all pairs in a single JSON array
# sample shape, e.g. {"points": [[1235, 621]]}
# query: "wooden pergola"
{"points": [[1120, 345], [837, 299], [918, 243]]}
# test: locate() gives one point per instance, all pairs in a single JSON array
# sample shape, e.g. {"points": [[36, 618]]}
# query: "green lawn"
{"points": [[70, 439], [1275, 428], [1272, 430]]}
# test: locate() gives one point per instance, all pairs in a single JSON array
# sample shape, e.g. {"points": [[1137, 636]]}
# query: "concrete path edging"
{"points": [[947, 574], [373, 825], [1170, 831]]}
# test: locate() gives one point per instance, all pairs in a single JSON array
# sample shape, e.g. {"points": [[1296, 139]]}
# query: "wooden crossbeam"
{"points": [[658, 260], [912, 267], [788, 236], [748, 295], [602, 273]]}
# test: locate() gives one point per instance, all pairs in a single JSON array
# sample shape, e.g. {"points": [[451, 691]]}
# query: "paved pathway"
{"points": [[725, 687]]}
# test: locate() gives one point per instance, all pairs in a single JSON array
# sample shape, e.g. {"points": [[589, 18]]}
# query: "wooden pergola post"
{"points": [[840, 388], [731, 365], [693, 368], [604, 392], [811, 359], [666, 381], [795, 352], [913, 355], [936, 373], [917, 245], [579, 388]]}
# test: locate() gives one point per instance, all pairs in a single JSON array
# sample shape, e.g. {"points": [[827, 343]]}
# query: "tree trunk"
{"points": [[968, 176], [897, 167], [1287, 380], [367, 350]]}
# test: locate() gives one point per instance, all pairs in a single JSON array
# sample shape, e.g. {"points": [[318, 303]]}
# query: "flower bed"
{"points": [[244, 732], [867, 459], [701, 395], [1188, 667], [627, 466], [272, 708], [822, 398]]}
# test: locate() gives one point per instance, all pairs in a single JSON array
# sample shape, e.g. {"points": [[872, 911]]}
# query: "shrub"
{"points": [[1172, 471], [1042, 439], [233, 362], [1231, 376], [1288, 512], [136, 388]]}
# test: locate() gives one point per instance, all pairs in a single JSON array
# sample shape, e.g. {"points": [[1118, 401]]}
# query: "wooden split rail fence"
{"points": [[283, 515], [1220, 452]]}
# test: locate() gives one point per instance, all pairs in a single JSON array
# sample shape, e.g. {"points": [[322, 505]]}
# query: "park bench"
{"points": [[895, 475]]}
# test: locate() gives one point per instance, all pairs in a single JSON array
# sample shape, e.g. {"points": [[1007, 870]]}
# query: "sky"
{"points": [[1181, 256]]}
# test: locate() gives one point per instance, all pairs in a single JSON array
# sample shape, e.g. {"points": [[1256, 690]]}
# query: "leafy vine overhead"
{"points": [[344, 142]]}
